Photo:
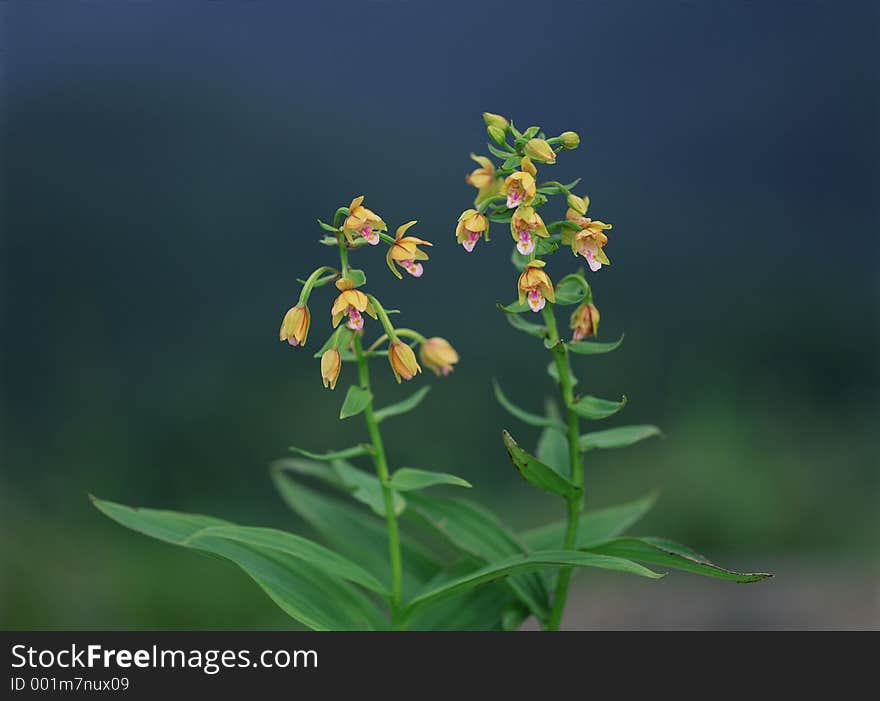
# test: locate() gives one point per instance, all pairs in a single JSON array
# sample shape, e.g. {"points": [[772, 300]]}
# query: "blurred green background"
{"points": [[163, 167]]}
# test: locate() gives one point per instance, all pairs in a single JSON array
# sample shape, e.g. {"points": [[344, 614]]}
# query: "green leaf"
{"points": [[340, 338], [594, 408], [659, 551], [408, 479], [356, 533], [327, 227], [553, 371], [617, 437], [594, 527], [499, 153], [514, 308], [572, 289], [352, 452], [478, 532], [552, 450], [593, 347], [357, 277], [544, 247], [403, 406], [510, 163], [366, 488], [524, 416], [356, 400], [526, 563], [530, 132], [520, 324], [537, 473], [301, 588], [518, 260]]}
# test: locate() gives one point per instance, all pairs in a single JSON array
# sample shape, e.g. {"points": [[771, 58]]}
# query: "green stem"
{"points": [[381, 463], [343, 253], [576, 465]]}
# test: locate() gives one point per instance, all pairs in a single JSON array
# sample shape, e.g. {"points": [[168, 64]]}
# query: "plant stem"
{"points": [[381, 463], [576, 465]]}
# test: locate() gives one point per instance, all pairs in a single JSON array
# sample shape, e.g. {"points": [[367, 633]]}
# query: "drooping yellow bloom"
{"points": [[525, 225], [539, 150], [351, 303], [589, 241], [295, 325], [363, 222], [520, 188], [584, 322], [403, 361], [471, 225], [437, 355], [331, 364], [535, 286], [406, 253], [484, 176]]}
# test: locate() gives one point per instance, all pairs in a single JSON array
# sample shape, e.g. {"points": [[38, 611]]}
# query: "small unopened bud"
{"points": [[578, 204], [570, 139], [496, 134], [539, 150], [331, 364], [495, 120]]}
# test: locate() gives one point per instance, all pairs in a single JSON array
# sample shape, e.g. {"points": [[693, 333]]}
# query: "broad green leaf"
{"points": [[594, 408], [401, 407], [296, 546], [527, 563], [617, 437], [366, 488], [304, 591], [524, 416], [520, 324], [511, 162], [659, 551], [572, 289], [408, 479], [356, 533], [552, 450], [594, 527], [593, 347], [537, 473], [478, 532], [356, 400], [358, 277], [352, 452]]}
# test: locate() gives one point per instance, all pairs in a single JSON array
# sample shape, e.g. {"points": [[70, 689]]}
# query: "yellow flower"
{"points": [[570, 139], [351, 303], [584, 322], [527, 166], [362, 221], [437, 355], [535, 285], [539, 150], [495, 120], [295, 326], [520, 189], [405, 252], [525, 224], [403, 361], [471, 225], [484, 176], [578, 206], [331, 364]]}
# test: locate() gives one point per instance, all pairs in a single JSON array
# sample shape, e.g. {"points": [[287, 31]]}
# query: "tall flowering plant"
{"points": [[510, 193]]}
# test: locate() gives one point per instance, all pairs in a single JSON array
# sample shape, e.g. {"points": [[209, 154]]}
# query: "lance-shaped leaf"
{"points": [[356, 400], [408, 479], [593, 347], [572, 289], [298, 583], [520, 324], [366, 488], [500, 153], [553, 371], [619, 437], [403, 406], [352, 452], [537, 473], [594, 527], [514, 308], [552, 450], [478, 532], [659, 551], [340, 338], [522, 415], [594, 408], [526, 563]]}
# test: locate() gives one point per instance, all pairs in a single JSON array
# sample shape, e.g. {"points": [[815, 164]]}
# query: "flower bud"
{"points": [[438, 356], [331, 364], [584, 322], [496, 134], [295, 326], [578, 204], [539, 150], [403, 361], [570, 139], [495, 120]]}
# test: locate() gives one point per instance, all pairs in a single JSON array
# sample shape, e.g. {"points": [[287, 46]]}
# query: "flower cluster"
{"points": [[511, 193], [362, 226]]}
